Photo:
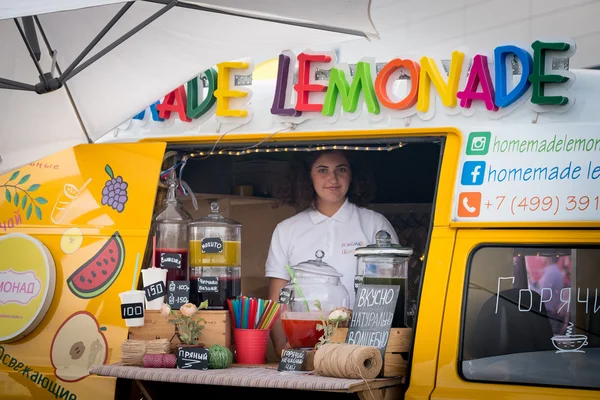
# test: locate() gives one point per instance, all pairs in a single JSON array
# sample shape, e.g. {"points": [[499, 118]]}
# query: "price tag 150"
{"points": [[155, 290]]}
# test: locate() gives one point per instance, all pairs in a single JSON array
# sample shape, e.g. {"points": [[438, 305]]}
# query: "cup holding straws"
{"points": [[252, 320]]}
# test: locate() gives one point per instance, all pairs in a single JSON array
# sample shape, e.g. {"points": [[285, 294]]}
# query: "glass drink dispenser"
{"points": [[170, 233], [312, 280], [385, 263], [215, 259]]}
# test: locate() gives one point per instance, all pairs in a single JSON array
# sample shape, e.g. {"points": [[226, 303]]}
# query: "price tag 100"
{"points": [[132, 310], [155, 290]]}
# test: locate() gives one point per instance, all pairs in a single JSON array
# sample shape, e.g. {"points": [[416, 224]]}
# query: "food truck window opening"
{"points": [[406, 179], [531, 316]]}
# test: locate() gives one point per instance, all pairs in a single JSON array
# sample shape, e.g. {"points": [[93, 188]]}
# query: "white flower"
{"points": [[338, 315]]}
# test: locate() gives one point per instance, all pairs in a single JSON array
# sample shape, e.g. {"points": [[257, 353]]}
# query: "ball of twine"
{"points": [[341, 360], [160, 361], [133, 351]]}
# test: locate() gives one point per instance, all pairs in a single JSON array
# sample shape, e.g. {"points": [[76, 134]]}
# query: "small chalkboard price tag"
{"points": [[192, 358], [284, 296], [358, 280], [292, 360], [155, 290], [178, 293], [208, 284], [212, 245], [132, 310], [170, 260], [372, 316]]}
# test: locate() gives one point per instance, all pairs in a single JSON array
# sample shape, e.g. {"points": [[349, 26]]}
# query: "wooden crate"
{"points": [[217, 329], [399, 342]]}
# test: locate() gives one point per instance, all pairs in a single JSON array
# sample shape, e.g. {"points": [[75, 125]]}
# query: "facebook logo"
{"points": [[473, 173]]}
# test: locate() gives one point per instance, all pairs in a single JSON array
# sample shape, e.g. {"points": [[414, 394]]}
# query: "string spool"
{"points": [[133, 351], [342, 360], [160, 361]]}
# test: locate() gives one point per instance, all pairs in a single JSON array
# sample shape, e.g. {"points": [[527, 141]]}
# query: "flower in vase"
{"points": [[165, 310], [188, 309]]}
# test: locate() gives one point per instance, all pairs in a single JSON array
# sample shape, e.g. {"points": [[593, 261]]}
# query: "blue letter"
{"points": [[504, 99]]}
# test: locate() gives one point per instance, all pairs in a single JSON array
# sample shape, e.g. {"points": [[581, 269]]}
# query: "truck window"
{"points": [[532, 316]]}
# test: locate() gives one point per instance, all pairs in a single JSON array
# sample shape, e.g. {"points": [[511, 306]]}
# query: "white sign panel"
{"points": [[535, 173]]}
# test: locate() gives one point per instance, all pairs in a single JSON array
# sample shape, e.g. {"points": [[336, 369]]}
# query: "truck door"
{"points": [[522, 316]]}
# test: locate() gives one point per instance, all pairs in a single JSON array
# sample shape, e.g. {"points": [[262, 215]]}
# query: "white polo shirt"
{"points": [[298, 238]]}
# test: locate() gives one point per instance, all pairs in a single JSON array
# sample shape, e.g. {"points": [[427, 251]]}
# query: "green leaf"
{"points": [[38, 213], [24, 202], [16, 199], [33, 187], [109, 171], [14, 176], [7, 195], [41, 200], [28, 212], [24, 179]]}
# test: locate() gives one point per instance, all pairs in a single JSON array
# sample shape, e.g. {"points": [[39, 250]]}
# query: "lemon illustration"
{"points": [[71, 240]]}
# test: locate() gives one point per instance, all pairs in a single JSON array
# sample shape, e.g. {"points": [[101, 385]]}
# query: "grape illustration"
{"points": [[114, 193]]}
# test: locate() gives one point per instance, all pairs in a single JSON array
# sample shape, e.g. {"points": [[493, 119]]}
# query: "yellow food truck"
{"points": [[487, 165]]}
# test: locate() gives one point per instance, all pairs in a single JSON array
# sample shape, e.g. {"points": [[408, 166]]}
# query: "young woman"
{"points": [[330, 192]]}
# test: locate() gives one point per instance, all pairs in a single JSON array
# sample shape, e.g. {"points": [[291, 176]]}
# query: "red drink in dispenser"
{"points": [[175, 261], [301, 333]]}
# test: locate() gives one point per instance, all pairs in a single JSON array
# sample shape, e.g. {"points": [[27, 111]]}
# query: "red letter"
{"points": [[174, 101], [304, 87]]}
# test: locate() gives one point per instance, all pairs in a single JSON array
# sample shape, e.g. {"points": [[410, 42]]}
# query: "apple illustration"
{"points": [[77, 345]]}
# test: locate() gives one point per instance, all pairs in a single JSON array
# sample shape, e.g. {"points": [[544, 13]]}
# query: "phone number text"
{"points": [[544, 204]]}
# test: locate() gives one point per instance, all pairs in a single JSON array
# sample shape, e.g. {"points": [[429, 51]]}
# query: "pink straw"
{"points": [[154, 251]]}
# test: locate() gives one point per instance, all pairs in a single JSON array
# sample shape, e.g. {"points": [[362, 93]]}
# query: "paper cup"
{"points": [[150, 276], [133, 297]]}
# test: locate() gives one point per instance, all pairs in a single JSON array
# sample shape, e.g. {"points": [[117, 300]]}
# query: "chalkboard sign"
{"points": [[132, 310], [284, 296], [292, 360], [155, 290], [178, 294], [208, 284], [170, 260], [192, 358], [212, 245], [372, 315]]}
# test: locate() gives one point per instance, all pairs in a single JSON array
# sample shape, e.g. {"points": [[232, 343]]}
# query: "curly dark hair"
{"points": [[297, 189]]}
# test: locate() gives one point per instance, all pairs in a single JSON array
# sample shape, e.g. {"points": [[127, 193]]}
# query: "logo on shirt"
{"points": [[349, 247]]}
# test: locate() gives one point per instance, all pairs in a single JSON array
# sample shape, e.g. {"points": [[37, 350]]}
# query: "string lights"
{"points": [[289, 149]]}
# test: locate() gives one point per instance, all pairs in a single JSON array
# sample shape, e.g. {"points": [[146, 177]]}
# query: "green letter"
{"points": [[538, 78], [349, 94], [195, 110]]}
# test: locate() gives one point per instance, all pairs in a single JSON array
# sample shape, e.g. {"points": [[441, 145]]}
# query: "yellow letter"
{"points": [[223, 93], [430, 73]]}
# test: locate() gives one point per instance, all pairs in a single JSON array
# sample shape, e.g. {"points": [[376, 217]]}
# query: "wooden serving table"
{"points": [[246, 381]]}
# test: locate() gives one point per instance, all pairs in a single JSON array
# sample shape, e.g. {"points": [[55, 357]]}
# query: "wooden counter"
{"points": [[265, 377]]}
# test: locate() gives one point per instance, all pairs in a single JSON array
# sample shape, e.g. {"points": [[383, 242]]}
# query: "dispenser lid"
{"points": [[383, 247], [214, 218], [317, 266]]}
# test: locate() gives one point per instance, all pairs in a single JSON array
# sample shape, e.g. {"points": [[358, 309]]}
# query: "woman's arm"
{"points": [[277, 334]]}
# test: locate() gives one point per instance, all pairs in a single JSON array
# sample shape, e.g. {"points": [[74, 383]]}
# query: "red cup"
{"points": [[251, 345]]}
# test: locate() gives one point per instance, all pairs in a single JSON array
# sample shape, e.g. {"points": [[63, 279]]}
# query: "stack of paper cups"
{"points": [[150, 276]]}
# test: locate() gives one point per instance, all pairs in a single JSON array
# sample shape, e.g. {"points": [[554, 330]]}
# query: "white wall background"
{"points": [[436, 27]]}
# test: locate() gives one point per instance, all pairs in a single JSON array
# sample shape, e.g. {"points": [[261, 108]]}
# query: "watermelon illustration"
{"points": [[95, 276]]}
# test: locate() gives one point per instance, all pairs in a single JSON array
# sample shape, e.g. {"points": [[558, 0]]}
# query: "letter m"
{"points": [[338, 85]]}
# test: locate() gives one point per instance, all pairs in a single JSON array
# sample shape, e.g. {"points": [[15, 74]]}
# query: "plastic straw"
{"points": [[154, 251], [298, 288], [135, 274]]}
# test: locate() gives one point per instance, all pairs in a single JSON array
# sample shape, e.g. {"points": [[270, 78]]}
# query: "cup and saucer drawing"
{"points": [[569, 343]]}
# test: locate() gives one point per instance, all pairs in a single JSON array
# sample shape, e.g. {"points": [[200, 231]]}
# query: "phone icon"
{"points": [[469, 204]]}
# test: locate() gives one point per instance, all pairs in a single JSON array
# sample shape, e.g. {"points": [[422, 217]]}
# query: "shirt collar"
{"points": [[342, 215]]}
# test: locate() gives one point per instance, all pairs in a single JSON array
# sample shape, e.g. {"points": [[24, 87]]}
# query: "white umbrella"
{"points": [[72, 70]]}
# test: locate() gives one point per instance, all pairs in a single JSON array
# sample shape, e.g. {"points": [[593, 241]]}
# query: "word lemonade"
{"points": [[376, 88]]}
